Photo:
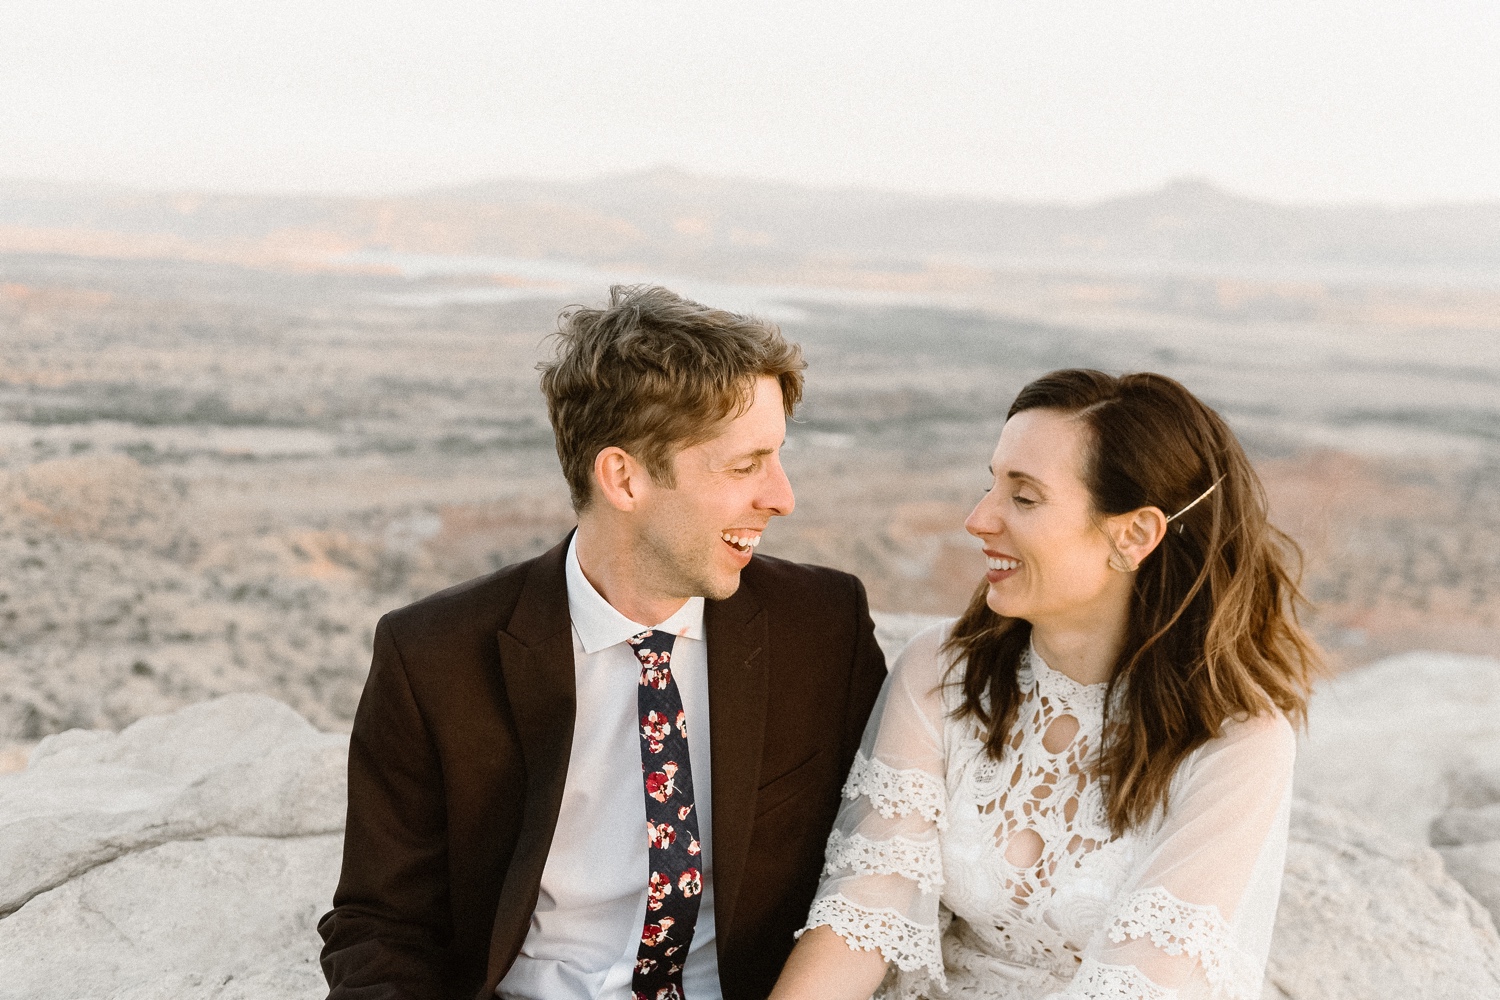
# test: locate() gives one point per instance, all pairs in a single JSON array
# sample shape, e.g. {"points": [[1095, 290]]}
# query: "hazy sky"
{"points": [[1309, 100]]}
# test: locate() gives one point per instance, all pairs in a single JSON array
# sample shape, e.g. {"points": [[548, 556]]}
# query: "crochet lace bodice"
{"points": [[1000, 879]]}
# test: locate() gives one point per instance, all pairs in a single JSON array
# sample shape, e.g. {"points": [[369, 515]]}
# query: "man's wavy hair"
{"points": [[1213, 629], [653, 373]]}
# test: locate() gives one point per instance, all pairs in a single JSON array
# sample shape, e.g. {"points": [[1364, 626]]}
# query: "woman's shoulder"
{"points": [[924, 667], [923, 656], [1265, 741], [1267, 729]]}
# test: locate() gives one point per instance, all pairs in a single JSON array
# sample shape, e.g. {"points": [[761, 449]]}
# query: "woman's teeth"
{"points": [[743, 544], [1003, 564]]}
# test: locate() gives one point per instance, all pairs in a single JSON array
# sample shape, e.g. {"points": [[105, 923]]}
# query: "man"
{"points": [[610, 771]]}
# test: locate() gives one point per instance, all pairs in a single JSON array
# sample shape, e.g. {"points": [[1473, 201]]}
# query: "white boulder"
{"points": [[894, 631], [1386, 741], [241, 765], [190, 855], [1467, 835], [1412, 744], [224, 918], [1366, 915], [1476, 867]]}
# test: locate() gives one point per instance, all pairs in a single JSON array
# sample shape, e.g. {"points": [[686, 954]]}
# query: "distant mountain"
{"points": [[665, 217]]}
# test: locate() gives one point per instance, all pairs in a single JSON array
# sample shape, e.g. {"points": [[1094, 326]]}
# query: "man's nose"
{"points": [[777, 496]]}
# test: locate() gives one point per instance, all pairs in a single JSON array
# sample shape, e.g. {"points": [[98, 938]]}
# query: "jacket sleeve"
{"points": [[384, 938], [866, 677]]}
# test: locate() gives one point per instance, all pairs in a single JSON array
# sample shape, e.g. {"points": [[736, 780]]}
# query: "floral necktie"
{"points": [[676, 886]]}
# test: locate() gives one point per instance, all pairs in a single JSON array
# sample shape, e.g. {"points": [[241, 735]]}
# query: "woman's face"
{"points": [[1048, 556]]}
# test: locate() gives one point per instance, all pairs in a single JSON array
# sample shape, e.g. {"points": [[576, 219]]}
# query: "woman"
{"points": [[1080, 788]]}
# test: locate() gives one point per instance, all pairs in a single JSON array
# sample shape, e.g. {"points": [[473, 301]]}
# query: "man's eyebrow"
{"points": [[757, 453]]}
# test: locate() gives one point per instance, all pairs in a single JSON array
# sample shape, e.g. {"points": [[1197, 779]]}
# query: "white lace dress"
{"points": [[978, 878]]}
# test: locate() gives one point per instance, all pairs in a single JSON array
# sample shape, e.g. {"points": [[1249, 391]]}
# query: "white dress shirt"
{"points": [[586, 928]]}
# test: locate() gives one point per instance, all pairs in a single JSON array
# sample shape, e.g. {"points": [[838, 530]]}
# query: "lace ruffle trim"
{"points": [[896, 793], [1086, 698], [1179, 928], [910, 859], [908, 945], [1098, 981]]}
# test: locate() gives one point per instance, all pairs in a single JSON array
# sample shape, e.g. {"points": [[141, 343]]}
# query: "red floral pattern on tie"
{"points": [[675, 882]]}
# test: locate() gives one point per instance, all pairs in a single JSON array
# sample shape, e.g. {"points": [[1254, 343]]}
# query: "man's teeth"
{"points": [[743, 544], [1003, 564]]}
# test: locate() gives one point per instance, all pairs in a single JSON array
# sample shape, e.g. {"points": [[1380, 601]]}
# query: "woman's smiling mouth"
{"points": [[1000, 566]]}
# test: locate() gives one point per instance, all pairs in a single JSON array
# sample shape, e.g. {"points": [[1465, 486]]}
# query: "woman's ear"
{"points": [[619, 478], [1135, 536]]}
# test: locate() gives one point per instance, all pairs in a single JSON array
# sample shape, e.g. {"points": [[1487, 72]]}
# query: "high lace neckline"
{"points": [[1053, 683]]}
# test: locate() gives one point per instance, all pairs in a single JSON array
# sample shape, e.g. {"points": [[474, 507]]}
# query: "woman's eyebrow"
{"points": [[1020, 476]]}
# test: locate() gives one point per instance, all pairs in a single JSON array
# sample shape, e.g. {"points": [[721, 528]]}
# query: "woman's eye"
{"points": [[1023, 502]]}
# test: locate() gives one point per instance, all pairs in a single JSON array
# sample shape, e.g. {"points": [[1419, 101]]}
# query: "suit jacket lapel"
{"points": [[738, 638], [536, 658]]}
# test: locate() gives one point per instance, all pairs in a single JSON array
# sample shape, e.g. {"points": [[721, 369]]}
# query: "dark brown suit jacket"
{"points": [[460, 749]]}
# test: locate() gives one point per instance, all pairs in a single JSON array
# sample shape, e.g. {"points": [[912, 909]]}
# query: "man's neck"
{"points": [[612, 564]]}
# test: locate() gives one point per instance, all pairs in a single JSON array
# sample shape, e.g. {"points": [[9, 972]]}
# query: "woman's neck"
{"points": [[1084, 647]]}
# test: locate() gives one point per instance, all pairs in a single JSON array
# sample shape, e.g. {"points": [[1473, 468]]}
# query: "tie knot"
{"points": [[652, 643]]}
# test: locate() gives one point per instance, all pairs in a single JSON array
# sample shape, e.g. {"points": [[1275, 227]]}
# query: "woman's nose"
{"points": [[984, 518]]}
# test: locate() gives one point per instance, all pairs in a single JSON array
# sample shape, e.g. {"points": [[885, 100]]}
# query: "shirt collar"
{"points": [[599, 625]]}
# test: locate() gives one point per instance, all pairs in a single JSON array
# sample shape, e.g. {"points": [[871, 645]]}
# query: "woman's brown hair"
{"points": [[1213, 629]]}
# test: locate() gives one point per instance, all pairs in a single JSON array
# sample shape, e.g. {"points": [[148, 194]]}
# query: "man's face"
{"points": [[698, 535]]}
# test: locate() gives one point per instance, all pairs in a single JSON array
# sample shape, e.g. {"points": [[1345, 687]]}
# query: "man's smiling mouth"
{"points": [[741, 542]]}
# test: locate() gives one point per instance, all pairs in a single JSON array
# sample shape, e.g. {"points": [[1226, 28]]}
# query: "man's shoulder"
{"points": [[482, 605], [783, 582]]}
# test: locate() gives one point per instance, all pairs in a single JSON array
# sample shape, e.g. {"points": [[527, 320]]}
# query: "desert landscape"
{"points": [[234, 432]]}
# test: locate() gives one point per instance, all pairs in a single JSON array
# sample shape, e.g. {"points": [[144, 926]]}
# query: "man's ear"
{"points": [[1137, 534], [619, 478]]}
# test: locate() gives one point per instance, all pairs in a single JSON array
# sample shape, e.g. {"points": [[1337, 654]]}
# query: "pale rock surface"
{"points": [[224, 918], [190, 856], [1467, 835], [894, 631], [1388, 741], [1412, 744], [1366, 915], [243, 765], [1477, 868]]}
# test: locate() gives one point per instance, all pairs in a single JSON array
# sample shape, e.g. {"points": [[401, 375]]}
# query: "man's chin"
{"points": [[721, 588]]}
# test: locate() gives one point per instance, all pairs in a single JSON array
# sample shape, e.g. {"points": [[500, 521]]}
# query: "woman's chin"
{"points": [[1003, 605]]}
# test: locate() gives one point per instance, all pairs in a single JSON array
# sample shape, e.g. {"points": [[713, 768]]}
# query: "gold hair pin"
{"points": [[1201, 497]]}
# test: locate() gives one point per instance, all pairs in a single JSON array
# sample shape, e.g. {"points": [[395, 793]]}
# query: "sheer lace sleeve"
{"points": [[883, 868], [1194, 919]]}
